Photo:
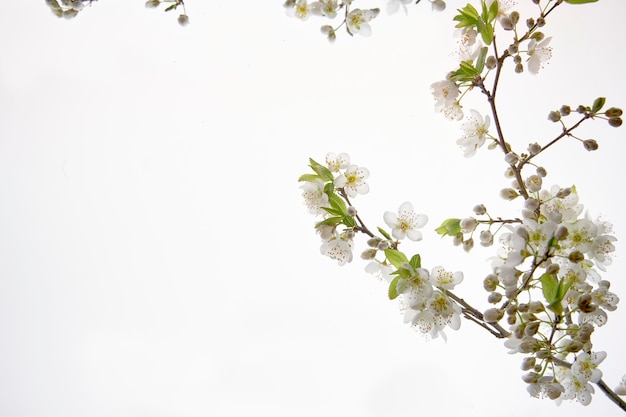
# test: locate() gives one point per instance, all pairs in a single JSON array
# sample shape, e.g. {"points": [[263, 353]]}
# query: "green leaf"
{"points": [[331, 221], [321, 170], [552, 289], [451, 227], [385, 234], [172, 7], [396, 257], [480, 61], [308, 177], [349, 221], [337, 203], [598, 104], [393, 288], [486, 31], [329, 188], [333, 212], [580, 1], [416, 261], [493, 11]]}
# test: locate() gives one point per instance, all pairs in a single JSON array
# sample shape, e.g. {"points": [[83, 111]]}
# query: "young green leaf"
{"points": [[385, 234], [393, 288], [321, 170], [451, 227], [396, 257], [598, 104], [416, 261], [308, 177]]}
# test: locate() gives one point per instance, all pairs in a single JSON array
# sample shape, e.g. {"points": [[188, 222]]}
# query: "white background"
{"points": [[155, 255]]}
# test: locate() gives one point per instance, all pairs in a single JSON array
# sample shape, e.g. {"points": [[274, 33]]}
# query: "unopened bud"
{"points": [[493, 315], [615, 121], [458, 239], [368, 254], [519, 68], [581, 109], [468, 224], [507, 23], [534, 148], [576, 256], [541, 22], [574, 346], [531, 203], [564, 192], [590, 145], [349, 234], [522, 232], [565, 110], [531, 377], [511, 158], [528, 363], [541, 171], [511, 309], [351, 211], [561, 232], [383, 245], [513, 49], [535, 307], [491, 62], [514, 17], [508, 194], [479, 209], [613, 112], [373, 242], [554, 116], [531, 328], [183, 20], [486, 238], [533, 183], [494, 297], [490, 283], [530, 22], [468, 245]]}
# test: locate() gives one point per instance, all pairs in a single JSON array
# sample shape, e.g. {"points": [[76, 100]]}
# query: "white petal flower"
{"points": [[585, 367], [576, 388], [357, 21], [539, 54], [338, 249], [475, 132], [444, 279], [337, 162], [405, 222], [621, 388], [353, 180], [314, 197], [301, 9]]}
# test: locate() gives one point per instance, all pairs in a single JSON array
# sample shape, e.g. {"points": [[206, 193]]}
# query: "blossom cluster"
{"points": [[67, 8], [424, 295], [355, 21]]}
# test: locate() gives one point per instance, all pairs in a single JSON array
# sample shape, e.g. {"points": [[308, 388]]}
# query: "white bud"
{"points": [[511, 158], [468, 224]]}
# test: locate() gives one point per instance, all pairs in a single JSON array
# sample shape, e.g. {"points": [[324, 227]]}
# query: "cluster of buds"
{"points": [[182, 19], [67, 8]]}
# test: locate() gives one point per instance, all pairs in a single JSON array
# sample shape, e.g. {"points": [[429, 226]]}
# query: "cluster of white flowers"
{"points": [[67, 8], [557, 250], [354, 20]]}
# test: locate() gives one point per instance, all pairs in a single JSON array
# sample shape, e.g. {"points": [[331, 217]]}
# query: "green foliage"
{"points": [[384, 233], [396, 257], [580, 1], [393, 288], [554, 291], [321, 170], [598, 104], [449, 227], [482, 22]]}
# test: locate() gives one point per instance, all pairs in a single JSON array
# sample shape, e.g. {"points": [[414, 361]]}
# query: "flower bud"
{"points": [[511, 158], [383, 245], [468, 224], [522, 232], [511, 309], [530, 22], [528, 345], [561, 232], [534, 148], [508, 194], [519, 68], [514, 17], [458, 239], [373, 242], [517, 59], [574, 346], [576, 256], [590, 145], [351, 211], [615, 121], [513, 48], [479, 209], [530, 378], [151, 4], [584, 303], [531, 204], [494, 297], [535, 307], [604, 284], [613, 112], [528, 363], [368, 254], [349, 234], [493, 315], [183, 20], [468, 245], [511, 320], [507, 23], [486, 238], [531, 328], [564, 192], [581, 109], [491, 62], [554, 116], [541, 171], [490, 283]]}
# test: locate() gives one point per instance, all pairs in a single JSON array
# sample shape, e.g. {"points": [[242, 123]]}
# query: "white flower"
{"points": [[475, 132], [380, 270], [301, 9], [353, 180], [326, 8], [357, 21], [558, 209], [577, 388], [338, 249], [337, 162], [585, 367], [394, 5], [539, 54], [444, 279], [438, 313], [445, 93], [405, 222], [314, 196], [581, 235]]}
